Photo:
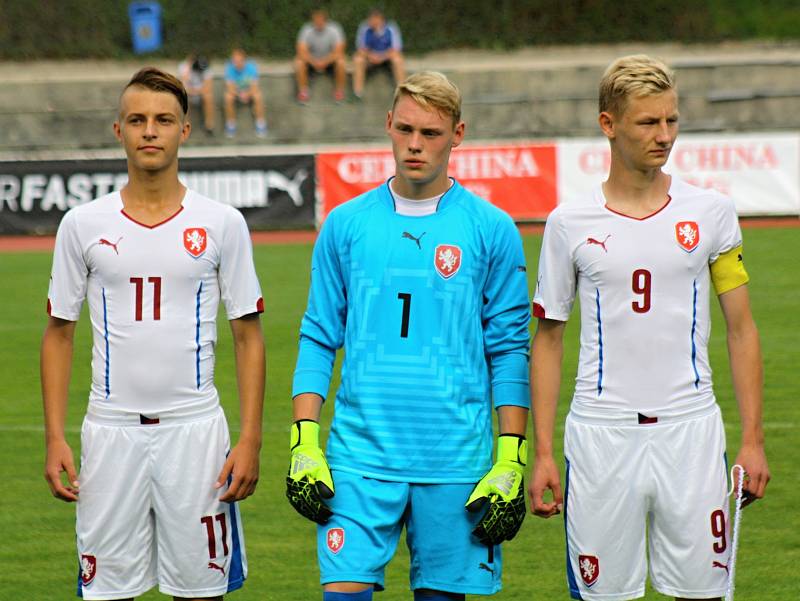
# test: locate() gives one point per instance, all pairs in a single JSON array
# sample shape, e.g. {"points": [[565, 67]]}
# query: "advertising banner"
{"points": [[761, 172], [518, 178], [271, 191]]}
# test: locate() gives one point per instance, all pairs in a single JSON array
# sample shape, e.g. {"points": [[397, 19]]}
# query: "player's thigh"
{"points": [[200, 539], [114, 525], [444, 553], [606, 506], [361, 536], [689, 532]]}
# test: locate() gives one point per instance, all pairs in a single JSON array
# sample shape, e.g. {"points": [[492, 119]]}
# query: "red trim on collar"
{"points": [[656, 212], [155, 225]]}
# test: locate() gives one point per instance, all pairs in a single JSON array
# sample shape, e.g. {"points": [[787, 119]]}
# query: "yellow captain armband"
{"points": [[728, 272]]}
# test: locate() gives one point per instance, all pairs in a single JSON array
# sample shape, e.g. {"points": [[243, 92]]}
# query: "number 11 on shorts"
{"points": [[210, 531]]}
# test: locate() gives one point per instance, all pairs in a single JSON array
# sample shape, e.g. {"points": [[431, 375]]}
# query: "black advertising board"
{"points": [[272, 192]]}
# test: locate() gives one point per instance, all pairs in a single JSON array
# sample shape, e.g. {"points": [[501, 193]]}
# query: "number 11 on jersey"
{"points": [[138, 284]]}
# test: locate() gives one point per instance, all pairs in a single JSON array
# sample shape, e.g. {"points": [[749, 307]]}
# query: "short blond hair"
{"points": [[431, 89], [635, 75]]}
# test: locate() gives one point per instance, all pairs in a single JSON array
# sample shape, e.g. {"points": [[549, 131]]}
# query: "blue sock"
{"points": [[365, 595], [437, 596]]}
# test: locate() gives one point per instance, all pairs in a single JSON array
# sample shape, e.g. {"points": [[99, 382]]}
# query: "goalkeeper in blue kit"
{"points": [[424, 285]]}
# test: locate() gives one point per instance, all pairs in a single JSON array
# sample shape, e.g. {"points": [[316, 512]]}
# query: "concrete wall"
{"points": [[536, 93]]}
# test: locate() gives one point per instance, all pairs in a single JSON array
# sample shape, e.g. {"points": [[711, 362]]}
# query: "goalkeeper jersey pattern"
{"points": [[644, 288], [433, 316], [153, 295]]}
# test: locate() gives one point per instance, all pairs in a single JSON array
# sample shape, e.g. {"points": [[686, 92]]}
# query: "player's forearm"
{"points": [[55, 369], [512, 419], [250, 372], [307, 405], [744, 351], [545, 384]]}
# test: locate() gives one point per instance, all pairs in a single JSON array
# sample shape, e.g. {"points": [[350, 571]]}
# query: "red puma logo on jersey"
{"points": [[213, 566], [716, 564], [602, 244], [104, 242]]}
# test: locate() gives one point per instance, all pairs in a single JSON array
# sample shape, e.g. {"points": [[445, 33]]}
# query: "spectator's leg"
{"points": [[340, 78], [301, 76], [257, 102], [208, 104], [359, 73], [398, 66], [230, 113]]}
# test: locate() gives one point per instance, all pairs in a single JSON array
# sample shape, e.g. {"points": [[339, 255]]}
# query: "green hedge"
{"points": [[100, 29]]}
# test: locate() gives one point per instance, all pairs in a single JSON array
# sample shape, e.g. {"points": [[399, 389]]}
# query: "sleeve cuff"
{"points": [[511, 393], [314, 381]]}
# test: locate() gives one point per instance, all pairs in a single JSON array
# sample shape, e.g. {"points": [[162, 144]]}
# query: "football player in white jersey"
{"points": [[644, 443], [158, 483]]}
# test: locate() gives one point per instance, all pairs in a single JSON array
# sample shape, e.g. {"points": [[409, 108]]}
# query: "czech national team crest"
{"points": [[194, 241], [590, 568], [447, 260], [335, 539], [88, 569], [687, 233]]}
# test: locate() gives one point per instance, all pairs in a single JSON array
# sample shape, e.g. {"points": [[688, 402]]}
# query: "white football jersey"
{"points": [[644, 287], [153, 295]]}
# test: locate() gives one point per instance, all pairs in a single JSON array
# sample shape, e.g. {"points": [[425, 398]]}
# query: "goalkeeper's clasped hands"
{"points": [[309, 484]]}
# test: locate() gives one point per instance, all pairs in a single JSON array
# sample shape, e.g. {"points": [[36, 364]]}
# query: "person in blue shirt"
{"points": [[424, 286], [378, 43], [241, 85]]}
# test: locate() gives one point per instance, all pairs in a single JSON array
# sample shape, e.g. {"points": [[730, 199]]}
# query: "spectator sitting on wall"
{"points": [[196, 76], [241, 85], [378, 43], [320, 45]]}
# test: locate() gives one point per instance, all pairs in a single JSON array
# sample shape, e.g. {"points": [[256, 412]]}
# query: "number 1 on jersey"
{"points": [[138, 284], [406, 298]]}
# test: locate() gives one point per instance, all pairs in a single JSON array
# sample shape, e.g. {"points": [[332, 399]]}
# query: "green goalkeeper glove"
{"points": [[309, 481], [503, 488]]}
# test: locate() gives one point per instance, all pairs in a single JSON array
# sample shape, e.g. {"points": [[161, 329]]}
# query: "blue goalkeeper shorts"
{"points": [[368, 517]]}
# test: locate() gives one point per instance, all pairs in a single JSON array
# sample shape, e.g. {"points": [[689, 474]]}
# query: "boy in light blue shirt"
{"points": [[241, 85]]}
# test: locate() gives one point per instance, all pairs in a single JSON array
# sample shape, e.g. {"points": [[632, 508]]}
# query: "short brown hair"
{"points": [[157, 80], [431, 89], [634, 75]]}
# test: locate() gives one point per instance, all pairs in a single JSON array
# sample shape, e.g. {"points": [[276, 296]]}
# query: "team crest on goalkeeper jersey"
{"points": [[687, 233], [88, 569], [194, 241], [447, 259], [335, 539], [589, 566]]}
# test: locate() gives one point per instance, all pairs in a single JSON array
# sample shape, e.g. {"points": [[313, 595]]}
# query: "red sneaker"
{"points": [[338, 96], [302, 97]]}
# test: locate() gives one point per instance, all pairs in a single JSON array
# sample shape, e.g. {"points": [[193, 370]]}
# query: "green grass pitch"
{"points": [[38, 555]]}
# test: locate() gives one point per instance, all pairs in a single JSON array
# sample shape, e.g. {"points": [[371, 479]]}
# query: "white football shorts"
{"points": [[655, 482], [148, 512]]}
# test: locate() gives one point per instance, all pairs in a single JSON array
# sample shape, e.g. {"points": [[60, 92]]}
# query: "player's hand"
{"points": [[241, 466], [309, 481], [754, 461], [545, 477], [59, 459], [502, 488]]}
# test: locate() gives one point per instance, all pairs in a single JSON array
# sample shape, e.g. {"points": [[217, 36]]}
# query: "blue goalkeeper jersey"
{"points": [[433, 315]]}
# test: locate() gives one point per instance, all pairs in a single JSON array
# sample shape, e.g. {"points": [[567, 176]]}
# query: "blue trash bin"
{"points": [[145, 20]]}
